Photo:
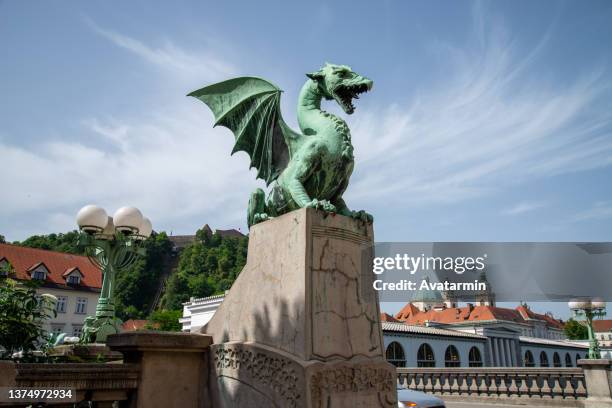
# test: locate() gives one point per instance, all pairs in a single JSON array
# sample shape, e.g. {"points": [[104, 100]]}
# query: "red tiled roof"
{"points": [[133, 325], [23, 260], [407, 311], [136, 324], [412, 315], [602, 325], [70, 270], [385, 317]]}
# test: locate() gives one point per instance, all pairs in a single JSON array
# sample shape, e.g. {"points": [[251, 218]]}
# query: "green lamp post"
{"points": [[589, 309], [113, 244]]}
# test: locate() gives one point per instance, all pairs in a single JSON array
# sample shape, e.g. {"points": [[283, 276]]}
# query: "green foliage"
{"points": [[136, 287], [574, 330], [55, 242], [165, 320], [206, 267], [22, 314], [2, 239]]}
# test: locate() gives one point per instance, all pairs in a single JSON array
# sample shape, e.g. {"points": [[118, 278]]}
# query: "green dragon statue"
{"points": [[310, 169]]}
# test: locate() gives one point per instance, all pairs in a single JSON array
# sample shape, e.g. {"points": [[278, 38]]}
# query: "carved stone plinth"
{"points": [[300, 326]]}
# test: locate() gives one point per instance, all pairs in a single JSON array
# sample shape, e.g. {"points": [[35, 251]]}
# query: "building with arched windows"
{"points": [[439, 336], [474, 336]]}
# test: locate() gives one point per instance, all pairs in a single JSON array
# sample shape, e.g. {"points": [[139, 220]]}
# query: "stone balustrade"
{"points": [[105, 385], [527, 383]]}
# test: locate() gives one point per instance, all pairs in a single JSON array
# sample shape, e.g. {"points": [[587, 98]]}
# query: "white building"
{"points": [[197, 312], [73, 279], [603, 332]]}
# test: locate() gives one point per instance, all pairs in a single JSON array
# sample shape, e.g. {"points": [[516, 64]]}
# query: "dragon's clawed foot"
{"points": [[324, 205], [362, 216], [260, 217]]}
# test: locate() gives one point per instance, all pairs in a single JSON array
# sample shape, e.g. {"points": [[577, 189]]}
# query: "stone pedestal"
{"points": [[173, 367], [300, 326], [598, 378]]}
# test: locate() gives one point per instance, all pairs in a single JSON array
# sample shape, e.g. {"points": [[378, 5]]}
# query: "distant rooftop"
{"points": [[181, 241], [57, 265]]}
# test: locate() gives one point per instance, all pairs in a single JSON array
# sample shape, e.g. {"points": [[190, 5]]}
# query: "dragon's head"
{"points": [[339, 82]]}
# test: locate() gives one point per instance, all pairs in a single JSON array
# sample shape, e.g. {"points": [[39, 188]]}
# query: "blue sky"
{"points": [[488, 121]]}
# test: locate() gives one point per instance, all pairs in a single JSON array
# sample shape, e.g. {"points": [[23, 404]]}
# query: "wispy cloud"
{"points": [[174, 167], [523, 207], [207, 65], [599, 211], [168, 161], [492, 121]]}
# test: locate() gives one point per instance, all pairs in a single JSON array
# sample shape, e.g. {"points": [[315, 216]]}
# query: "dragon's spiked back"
{"points": [[250, 107]]}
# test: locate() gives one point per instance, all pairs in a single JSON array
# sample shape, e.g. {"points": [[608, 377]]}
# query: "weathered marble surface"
{"points": [[251, 375], [300, 326]]}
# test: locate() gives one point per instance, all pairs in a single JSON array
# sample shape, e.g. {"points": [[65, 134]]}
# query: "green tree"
{"points": [[63, 242], [574, 330], [2, 239], [136, 287], [22, 315], [165, 320], [208, 266]]}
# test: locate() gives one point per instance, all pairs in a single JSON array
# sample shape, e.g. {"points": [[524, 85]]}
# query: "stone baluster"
{"points": [[557, 390], [512, 388], [580, 390], [536, 386], [523, 389], [545, 390], [448, 386], [493, 384], [483, 388], [453, 384], [411, 380], [566, 385], [429, 385], [463, 386], [437, 383], [420, 382], [473, 384], [502, 389]]}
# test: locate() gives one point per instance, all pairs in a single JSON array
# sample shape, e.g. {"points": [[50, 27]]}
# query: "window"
{"points": [[5, 267], [475, 357], [57, 328], [74, 280], [77, 329], [81, 306], [529, 361], [425, 356], [395, 354], [451, 357], [39, 275], [543, 359], [60, 306], [557, 360], [568, 360]]}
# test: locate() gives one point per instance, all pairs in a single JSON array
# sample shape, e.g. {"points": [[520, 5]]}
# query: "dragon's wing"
{"points": [[250, 107]]}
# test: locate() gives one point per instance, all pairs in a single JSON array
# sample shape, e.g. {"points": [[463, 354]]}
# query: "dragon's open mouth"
{"points": [[344, 95]]}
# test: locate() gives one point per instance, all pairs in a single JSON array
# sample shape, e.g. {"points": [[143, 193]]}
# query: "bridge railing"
{"points": [[528, 383], [104, 385]]}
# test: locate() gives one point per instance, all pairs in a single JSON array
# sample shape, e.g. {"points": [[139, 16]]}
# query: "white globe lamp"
{"points": [[145, 228], [92, 219], [127, 220]]}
